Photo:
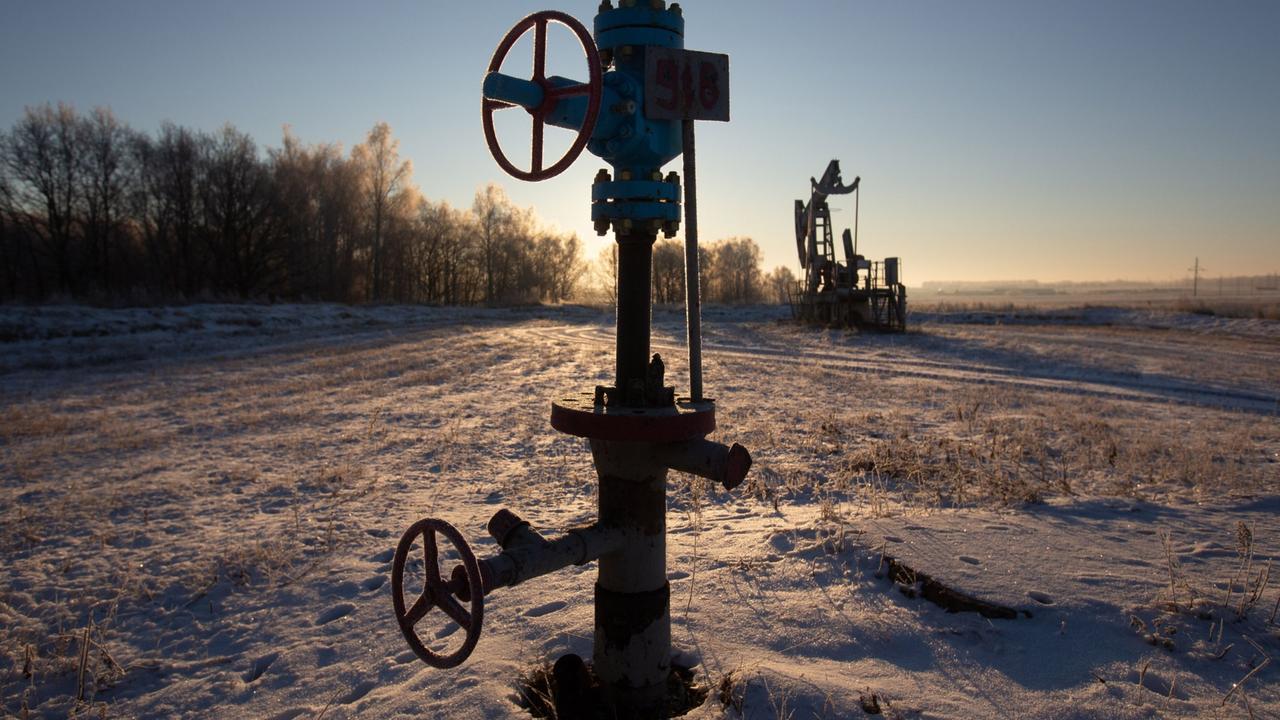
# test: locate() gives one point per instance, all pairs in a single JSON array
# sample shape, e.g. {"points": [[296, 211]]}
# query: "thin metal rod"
{"points": [[857, 195], [692, 302]]}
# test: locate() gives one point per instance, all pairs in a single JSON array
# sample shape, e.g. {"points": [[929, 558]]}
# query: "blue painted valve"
{"points": [[607, 111]]}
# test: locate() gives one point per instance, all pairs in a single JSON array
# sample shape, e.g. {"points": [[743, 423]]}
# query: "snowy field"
{"points": [[198, 509]]}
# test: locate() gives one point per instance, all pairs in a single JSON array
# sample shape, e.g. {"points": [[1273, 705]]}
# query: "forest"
{"points": [[92, 210]]}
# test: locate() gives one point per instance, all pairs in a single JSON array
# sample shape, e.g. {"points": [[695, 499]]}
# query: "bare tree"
{"points": [[235, 196], [105, 173], [668, 272], [437, 237], [384, 177], [11, 249], [167, 206], [398, 268], [605, 270], [42, 158], [563, 265], [297, 177], [736, 271], [493, 213], [778, 284]]}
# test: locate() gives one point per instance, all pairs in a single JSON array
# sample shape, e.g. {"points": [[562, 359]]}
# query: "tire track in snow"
{"points": [[1095, 384]]}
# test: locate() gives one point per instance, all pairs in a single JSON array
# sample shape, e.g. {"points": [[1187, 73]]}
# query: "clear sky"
{"points": [[1083, 140]]}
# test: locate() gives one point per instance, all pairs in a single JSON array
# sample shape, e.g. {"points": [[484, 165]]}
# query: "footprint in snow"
{"points": [[546, 609], [373, 583], [782, 543], [677, 575], [1040, 597], [970, 560], [450, 628], [337, 611], [260, 666], [384, 556], [344, 590], [358, 692], [378, 532], [892, 538], [326, 656]]}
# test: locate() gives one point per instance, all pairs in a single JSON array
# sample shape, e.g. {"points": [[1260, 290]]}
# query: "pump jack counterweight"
{"points": [[642, 95]]}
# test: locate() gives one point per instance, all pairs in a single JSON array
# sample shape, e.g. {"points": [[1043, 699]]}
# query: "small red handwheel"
{"points": [[438, 593], [551, 95]]}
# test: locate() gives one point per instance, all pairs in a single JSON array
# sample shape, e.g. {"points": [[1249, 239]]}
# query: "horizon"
{"points": [[1076, 144]]}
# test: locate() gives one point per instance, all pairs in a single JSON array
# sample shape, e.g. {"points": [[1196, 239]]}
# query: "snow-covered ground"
{"points": [[205, 500]]}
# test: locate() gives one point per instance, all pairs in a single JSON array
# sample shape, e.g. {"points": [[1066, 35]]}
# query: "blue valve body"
{"points": [[635, 146], [623, 136]]}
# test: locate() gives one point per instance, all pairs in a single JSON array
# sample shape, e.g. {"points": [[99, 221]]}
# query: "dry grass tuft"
{"points": [[31, 420]]}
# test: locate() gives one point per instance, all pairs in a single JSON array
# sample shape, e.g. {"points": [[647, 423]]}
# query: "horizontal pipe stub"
{"points": [[526, 554], [461, 587], [503, 524], [711, 460], [739, 462]]}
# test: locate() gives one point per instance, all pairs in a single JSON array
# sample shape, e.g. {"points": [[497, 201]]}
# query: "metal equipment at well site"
{"points": [[636, 111], [855, 292]]}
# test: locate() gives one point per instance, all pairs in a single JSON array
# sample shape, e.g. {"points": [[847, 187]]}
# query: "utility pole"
{"points": [[1195, 282]]}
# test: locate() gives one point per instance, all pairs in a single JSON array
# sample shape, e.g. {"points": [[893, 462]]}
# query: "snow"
{"points": [[212, 494]]}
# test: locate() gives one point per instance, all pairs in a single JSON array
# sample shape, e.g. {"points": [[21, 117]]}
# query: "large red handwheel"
{"points": [[436, 592], [551, 95]]}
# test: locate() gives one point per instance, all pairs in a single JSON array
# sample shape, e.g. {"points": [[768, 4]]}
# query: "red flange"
{"points": [[551, 95], [580, 415]]}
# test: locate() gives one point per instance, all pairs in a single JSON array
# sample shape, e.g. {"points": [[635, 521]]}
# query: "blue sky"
{"points": [[996, 140]]}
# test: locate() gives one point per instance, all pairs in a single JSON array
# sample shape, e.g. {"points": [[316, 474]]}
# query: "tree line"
{"points": [[91, 209], [94, 210], [728, 273]]}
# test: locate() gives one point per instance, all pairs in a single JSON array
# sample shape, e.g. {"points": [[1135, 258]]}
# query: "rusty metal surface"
{"points": [[436, 593], [580, 415], [686, 85], [503, 523], [623, 617], [712, 460]]}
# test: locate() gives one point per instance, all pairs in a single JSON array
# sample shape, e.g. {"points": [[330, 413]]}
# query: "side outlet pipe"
{"points": [[527, 554], [714, 461]]}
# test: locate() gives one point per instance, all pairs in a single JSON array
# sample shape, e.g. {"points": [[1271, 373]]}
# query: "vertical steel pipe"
{"points": [[635, 261], [632, 649]]}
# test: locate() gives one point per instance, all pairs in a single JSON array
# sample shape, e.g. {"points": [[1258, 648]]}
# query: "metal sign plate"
{"points": [[685, 85]]}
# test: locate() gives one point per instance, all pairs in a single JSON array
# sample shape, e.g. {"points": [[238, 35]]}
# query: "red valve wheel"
{"points": [[438, 593], [551, 95]]}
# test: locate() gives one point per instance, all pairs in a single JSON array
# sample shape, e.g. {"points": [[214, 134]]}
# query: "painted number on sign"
{"points": [[683, 84]]}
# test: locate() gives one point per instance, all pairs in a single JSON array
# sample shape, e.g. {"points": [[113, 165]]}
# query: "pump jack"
{"points": [[856, 292]]}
